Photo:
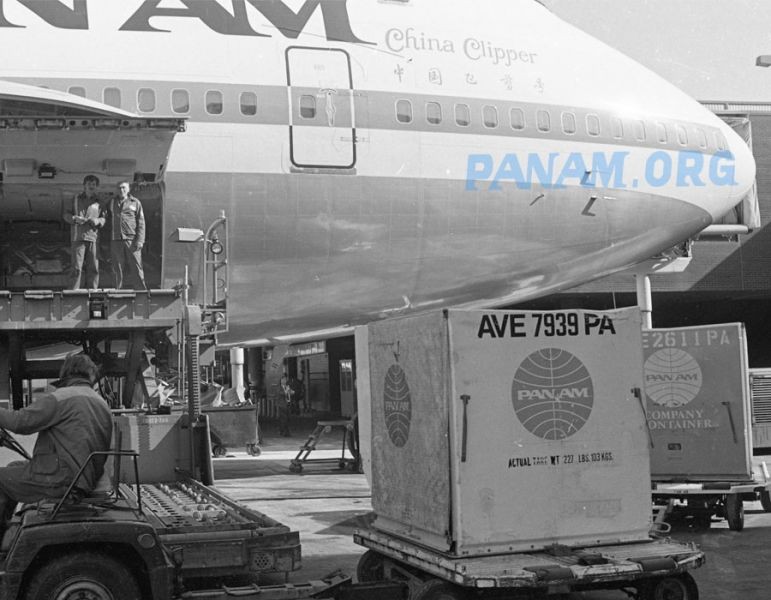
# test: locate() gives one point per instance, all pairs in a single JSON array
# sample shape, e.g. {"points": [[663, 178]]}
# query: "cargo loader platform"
{"points": [[47, 310], [82, 318]]}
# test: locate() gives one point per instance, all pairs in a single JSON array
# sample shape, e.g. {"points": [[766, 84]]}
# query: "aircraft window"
{"points": [[720, 141], [592, 124], [568, 122], [682, 134], [702, 138], [490, 116], [617, 127], [248, 104], [543, 120], [517, 118], [433, 113], [111, 97], [308, 106], [180, 101], [214, 102], [661, 132], [639, 130], [77, 90], [146, 99], [404, 111], [462, 115]]}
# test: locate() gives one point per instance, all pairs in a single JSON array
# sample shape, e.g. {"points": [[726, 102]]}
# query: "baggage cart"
{"points": [[233, 427]]}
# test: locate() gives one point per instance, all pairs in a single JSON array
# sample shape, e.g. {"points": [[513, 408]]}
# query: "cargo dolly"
{"points": [[702, 500], [657, 568]]}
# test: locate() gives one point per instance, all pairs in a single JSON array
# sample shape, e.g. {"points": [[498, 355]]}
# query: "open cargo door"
{"points": [[49, 140]]}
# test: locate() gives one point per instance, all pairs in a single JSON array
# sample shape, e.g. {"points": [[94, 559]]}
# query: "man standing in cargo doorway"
{"points": [[128, 236], [87, 218]]}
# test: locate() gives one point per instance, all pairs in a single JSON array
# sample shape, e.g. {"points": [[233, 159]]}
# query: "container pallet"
{"points": [[559, 570]]}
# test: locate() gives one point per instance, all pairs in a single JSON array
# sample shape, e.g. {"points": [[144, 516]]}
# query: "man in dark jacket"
{"points": [[71, 423], [127, 221]]}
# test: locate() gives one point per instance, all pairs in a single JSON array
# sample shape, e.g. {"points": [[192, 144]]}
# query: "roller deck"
{"points": [[216, 535]]}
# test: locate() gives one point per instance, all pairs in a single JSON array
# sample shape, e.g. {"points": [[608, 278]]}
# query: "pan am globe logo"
{"points": [[397, 405], [672, 377], [552, 394]]}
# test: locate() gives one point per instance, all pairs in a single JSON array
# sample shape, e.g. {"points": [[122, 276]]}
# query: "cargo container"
{"points": [[697, 402], [760, 394], [509, 450]]}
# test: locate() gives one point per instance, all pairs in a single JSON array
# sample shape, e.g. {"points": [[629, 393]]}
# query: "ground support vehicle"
{"points": [[161, 529], [114, 548], [656, 568]]}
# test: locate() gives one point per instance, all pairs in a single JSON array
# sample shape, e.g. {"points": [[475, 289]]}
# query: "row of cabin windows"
{"points": [[568, 123], [214, 104], [180, 100]]}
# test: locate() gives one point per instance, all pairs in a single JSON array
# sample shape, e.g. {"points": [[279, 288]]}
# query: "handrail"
{"points": [[116, 453]]}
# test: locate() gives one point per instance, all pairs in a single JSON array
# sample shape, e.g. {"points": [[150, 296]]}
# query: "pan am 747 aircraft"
{"points": [[372, 157]]}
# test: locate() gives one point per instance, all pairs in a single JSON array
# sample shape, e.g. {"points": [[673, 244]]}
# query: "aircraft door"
{"points": [[322, 128]]}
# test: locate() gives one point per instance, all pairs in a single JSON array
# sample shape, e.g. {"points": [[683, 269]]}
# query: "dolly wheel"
{"points": [[371, 567], [437, 589], [253, 450], [734, 512], [765, 500], [295, 467], [680, 587]]}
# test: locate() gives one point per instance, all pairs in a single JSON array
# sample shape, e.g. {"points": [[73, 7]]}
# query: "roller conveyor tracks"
{"points": [[186, 506], [180, 505], [216, 535]]}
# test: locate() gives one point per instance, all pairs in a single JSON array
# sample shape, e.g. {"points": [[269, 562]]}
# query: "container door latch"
{"points": [[465, 399]]}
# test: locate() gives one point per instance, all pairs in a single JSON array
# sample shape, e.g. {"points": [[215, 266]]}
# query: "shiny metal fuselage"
{"points": [[343, 206]]}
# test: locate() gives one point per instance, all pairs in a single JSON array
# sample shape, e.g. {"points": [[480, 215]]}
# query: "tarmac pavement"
{"points": [[325, 504]]}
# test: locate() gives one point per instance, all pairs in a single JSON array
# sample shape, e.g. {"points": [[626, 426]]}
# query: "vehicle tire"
{"points": [[219, 451], [437, 589], [680, 587], [253, 450], [82, 575], [371, 567], [734, 512], [765, 500]]}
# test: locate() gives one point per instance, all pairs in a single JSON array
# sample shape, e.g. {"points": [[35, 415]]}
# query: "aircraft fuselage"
{"points": [[381, 156]]}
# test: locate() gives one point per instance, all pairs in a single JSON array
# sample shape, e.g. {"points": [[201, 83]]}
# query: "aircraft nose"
{"points": [[737, 158]]}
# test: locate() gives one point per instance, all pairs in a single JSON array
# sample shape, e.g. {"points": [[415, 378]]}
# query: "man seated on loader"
{"points": [[71, 422]]}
